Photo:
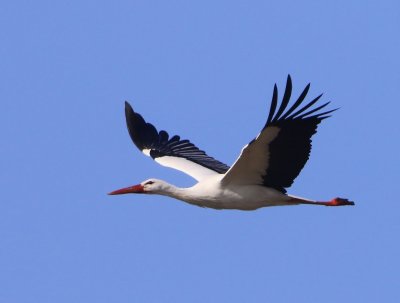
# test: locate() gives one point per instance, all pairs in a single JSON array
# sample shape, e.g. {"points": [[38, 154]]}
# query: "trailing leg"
{"points": [[333, 202]]}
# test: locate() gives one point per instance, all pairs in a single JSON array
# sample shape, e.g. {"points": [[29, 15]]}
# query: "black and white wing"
{"points": [[278, 154], [171, 152]]}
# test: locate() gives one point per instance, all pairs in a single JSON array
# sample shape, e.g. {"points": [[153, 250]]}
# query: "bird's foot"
{"points": [[339, 202]]}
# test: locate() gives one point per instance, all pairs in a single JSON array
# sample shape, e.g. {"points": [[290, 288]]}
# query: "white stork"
{"points": [[259, 177]]}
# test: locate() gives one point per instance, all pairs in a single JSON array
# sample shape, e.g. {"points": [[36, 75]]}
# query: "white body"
{"points": [[212, 194]]}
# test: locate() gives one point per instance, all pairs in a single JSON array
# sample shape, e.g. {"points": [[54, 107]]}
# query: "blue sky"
{"points": [[204, 70]]}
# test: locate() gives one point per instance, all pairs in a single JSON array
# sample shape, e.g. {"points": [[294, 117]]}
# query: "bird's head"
{"points": [[150, 186]]}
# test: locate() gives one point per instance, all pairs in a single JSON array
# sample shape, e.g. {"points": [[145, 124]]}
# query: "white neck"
{"points": [[176, 192], [199, 194]]}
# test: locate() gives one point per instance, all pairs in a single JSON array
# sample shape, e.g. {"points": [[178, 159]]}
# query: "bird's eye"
{"points": [[149, 182]]}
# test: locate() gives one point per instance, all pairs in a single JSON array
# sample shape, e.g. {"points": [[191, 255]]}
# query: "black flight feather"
{"points": [[290, 150], [146, 136]]}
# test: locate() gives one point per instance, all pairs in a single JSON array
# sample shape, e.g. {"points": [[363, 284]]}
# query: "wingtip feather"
{"points": [[274, 103]]}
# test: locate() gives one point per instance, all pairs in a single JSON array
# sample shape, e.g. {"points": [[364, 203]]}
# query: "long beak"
{"points": [[135, 189]]}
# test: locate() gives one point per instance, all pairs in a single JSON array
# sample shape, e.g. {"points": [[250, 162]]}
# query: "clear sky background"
{"points": [[204, 70]]}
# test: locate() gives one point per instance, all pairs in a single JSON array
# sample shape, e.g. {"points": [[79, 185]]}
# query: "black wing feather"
{"points": [[286, 97], [304, 108], [145, 136], [290, 150], [298, 101], [274, 103]]}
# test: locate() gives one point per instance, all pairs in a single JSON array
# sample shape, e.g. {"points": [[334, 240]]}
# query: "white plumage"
{"points": [[258, 178]]}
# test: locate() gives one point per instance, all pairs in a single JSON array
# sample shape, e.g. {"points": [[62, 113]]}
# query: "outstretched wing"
{"points": [[171, 152], [278, 154]]}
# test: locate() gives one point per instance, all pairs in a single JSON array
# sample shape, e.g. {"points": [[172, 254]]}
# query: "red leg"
{"points": [[333, 202]]}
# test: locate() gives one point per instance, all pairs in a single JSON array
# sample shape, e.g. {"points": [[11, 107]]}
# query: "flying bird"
{"points": [[265, 168]]}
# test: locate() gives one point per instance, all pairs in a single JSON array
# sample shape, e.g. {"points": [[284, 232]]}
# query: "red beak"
{"points": [[136, 189]]}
